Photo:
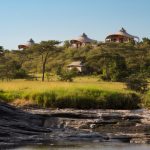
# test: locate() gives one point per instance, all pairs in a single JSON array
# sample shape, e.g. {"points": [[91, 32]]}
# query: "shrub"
{"points": [[122, 101], [20, 74], [137, 84], [146, 100], [67, 75], [114, 67], [49, 76]]}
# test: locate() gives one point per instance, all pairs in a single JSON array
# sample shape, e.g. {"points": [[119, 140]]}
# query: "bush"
{"points": [[146, 100], [114, 67], [20, 74], [137, 84], [67, 75], [123, 101]]}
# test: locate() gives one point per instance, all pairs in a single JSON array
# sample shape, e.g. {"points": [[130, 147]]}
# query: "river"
{"points": [[89, 146]]}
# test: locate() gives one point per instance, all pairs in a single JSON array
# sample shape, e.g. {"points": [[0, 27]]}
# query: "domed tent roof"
{"points": [[26, 45], [83, 39], [30, 42], [124, 33]]}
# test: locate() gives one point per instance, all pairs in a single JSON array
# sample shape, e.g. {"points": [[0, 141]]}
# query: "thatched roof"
{"points": [[75, 64], [83, 39], [124, 33]]}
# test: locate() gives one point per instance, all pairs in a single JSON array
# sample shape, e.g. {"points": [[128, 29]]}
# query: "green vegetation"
{"points": [[138, 84], [67, 75], [84, 93], [109, 62], [146, 100]]}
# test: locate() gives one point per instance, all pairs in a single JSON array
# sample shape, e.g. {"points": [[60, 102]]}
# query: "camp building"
{"points": [[77, 65], [27, 45], [81, 41], [121, 37]]}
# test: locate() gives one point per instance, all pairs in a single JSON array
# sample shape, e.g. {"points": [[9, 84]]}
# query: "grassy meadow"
{"points": [[83, 93], [82, 82]]}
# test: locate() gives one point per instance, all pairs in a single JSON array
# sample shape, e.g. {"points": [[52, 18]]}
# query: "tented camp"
{"points": [[27, 45], [121, 37], [81, 41], [77, 65]]}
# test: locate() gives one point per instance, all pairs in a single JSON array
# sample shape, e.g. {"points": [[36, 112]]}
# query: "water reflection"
{"points": [[88, 146]]}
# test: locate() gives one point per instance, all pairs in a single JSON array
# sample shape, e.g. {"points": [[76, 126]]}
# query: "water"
{"points": [[89, 146]]}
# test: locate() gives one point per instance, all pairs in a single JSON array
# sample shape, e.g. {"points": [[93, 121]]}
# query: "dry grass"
{"points": [[83, 93], [79, 83]]}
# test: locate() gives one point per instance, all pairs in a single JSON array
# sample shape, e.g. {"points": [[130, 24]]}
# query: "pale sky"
{"points": [[66, 19]]}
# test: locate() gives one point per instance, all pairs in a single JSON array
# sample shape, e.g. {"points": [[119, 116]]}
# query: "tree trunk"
{"points": [[43, 72], [43, 67]]}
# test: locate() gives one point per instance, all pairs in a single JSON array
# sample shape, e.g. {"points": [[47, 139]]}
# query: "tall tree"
{"points": [[113, 67], [45, 49], [8, 66]]}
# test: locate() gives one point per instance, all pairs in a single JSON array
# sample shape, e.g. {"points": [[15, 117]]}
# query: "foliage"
{"points": [[146, 100], [113, 62], [67, 44], [7, 67], [77, 98], [113, 67], [67, 75], [146, 41], [21, 74], [44, 49], [137, 83]]}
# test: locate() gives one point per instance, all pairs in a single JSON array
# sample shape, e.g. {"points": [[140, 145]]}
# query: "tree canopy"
{"points": [[111, 61]]}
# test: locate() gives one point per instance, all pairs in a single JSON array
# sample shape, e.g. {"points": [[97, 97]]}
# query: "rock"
{"points": [[111, 116], [88, 136], [17, 126], [54, 122], [35, 126], [121, 137], [93, 126], [133, 117], [74, 115], [102, 122]]}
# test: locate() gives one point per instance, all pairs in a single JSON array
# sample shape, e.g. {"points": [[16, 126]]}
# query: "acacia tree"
{"points": [[45, 49], [8, 66], [113, 67]]}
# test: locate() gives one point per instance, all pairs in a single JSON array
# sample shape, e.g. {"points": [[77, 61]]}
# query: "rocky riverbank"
{"points": [[46, 126]]}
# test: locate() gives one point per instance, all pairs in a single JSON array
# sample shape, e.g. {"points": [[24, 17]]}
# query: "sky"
{"points": [[62, 20]]}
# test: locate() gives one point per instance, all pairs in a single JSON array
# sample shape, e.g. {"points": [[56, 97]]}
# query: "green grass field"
{"points": [[79, 83], [83, 93]]}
